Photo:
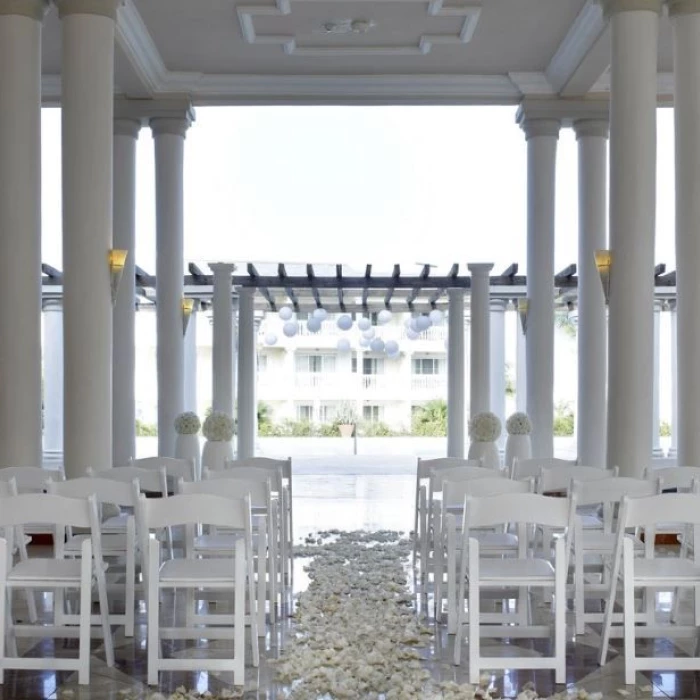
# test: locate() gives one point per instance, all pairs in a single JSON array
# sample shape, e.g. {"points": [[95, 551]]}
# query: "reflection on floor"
{"points": [[343, 500]]}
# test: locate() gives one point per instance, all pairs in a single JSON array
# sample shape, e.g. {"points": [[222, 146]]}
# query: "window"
{"points": [[302, 316], [354, 364], [372, 414], [327, 413], [372, 365], [315, 363], [427, 365], [262, 363], [305, 412]]}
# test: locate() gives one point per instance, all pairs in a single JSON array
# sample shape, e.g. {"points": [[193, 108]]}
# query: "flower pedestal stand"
{"points": [[187, 447], [487, 452], [216, 453], [517, 446]]}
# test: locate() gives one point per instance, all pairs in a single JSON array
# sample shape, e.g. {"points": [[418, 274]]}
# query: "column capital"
{"points": [[613, 7], [52, 305], [592, 127], [104, 8], [34, 9], [479, 269], [683, 7], [177, 126], [498, 305], [455, 293], [222, 268], [543, 126], [127, 127]]}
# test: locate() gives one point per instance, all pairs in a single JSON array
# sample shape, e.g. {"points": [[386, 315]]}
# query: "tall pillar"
{"points": [[685, 19], [520, 366], [498, 364], [87, 100], [234, 333], [634, 29], [190, 363], [656, 402], [542, 136], [222, 338], [20, 233], [246, 374], [673, 452], [455, 374], [126, 132], [480, 360], [169, 135], [53, 379], [592, 136]]}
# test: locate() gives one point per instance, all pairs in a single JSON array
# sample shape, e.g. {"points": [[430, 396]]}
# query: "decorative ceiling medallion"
{"points": [[469, 11]]}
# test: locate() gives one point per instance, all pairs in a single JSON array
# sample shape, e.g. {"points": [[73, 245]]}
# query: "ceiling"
{"points": [[358, 51]]}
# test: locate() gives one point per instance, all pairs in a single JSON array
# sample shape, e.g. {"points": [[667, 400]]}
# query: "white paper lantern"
{"points": [[436, 316], [411, 334], [270, 339], [369, 333], [364, 342], [290, 329], [313, 324], [320, 314], [393, 355], [391, 347], [423, 323], [343, 345], [344, 322], [407, 321], [377, 345], [364, 323], [413, 325], [384, 316], [286, 313]]}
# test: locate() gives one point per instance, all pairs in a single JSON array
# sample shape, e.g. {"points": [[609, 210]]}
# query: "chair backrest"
{"points": [[48, 508], [192, 509], [519, 508], [439, 475], [528, 468], [454, 492], [263, 463], [560, 478], [105, 490], [258, 490], [30, 479], [175, 468], [273, 474], [612, 490], [8, 488], [425, 466], [680, 478], [153, 480], [663, 508]]}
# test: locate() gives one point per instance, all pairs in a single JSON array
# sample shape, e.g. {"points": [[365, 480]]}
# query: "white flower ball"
{"points": [[290, 329], [368, 333], [384, 316], [343, 345], [411, 334], [391, 347], [320, 314], [313, 324], [286, 313], [436, 316], [377, 345], [344, 322], [519, 424], [364, 342], [423, 323], [270, 339], [485, 427], [364, 323]]}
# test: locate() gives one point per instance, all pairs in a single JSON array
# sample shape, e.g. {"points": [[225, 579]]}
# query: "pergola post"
{"points": [[455, 374], [673, 451], [190, 362], [246, 374], [656, 405], [53, 380], [480, 339], [520, 366], [222, 334], [498, 364], [20, 233]]}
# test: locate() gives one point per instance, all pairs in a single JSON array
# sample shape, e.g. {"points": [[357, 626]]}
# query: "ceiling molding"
{"points": [[532, 83], [470, 11], [566, 111], [579, 40]]}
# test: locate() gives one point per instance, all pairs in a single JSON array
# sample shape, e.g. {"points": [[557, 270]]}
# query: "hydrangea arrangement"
{"points": [[218, 427], [485, 427], [187, 423], [518, 424]]}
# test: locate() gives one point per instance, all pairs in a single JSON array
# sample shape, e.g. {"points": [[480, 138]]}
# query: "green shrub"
{"points": [[328, 429], [665, 429], [430, 420], [146, 429], [378, 429], [563, 420]]}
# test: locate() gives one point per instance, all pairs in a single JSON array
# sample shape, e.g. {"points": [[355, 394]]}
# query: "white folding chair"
{"points": [[653, 573], [56, 573], [225, 574], [526, 569], [115, 545], [594, 548], [531, 468], [175, 468]]}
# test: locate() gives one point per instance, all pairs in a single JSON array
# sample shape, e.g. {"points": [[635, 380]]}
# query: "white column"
{"points": [[685, 19], [87, 99], [592, 135], [656, 405], [520, 366], [126, 132], [190, 363], [634, 29], [455, 374], [246, 374], [480, 359], [234, 334], [222, 338], [498, 364], [53, 379], [542, 136], [673, 452], [20, 233], [169, 135]]}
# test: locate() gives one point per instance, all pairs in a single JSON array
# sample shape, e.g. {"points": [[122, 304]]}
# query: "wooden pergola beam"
{"points": [[51, 272], [510, 271], [282, 273], [314, 288], [660, 269], [198, 277], [425, 273], [395, 275], [339, 278], [253, 274], [365, 287]]}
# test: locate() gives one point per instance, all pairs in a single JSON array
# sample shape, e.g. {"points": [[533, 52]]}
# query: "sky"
{"points": [[360, 185]]}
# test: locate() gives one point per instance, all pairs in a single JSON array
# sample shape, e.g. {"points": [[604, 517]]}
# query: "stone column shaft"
{"points": [[480, 339], [247, 370], [222, 335], [53, 378], [498, 364], [455, 374]]}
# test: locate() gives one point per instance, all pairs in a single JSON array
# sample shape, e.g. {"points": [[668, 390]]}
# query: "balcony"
{"points": [[374, 382], [429, 383], [434, 333]]}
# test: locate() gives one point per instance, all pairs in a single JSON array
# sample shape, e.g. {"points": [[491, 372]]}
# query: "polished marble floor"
{"points": [[346, 498]]}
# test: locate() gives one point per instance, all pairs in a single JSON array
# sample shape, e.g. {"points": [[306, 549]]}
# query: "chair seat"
{"points": [[35, 570], [197, 572], [117, 522], [218, 543], [112, 544], [604, 542], [515, 571], [665, 569], [490, 542]]}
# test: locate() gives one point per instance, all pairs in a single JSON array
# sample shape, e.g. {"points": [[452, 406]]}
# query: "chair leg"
{"points": [[153, 645], [29, 593], [560, 613], [452, 573], [3, 603], [130, 592], [629, 613], [272, 539], [239, 616], [252, 606], [11, 643], [473, 616], [85, 620], [262, 555]]}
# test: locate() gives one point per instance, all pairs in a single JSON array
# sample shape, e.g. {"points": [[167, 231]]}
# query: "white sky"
{"points": [[356, 185]]}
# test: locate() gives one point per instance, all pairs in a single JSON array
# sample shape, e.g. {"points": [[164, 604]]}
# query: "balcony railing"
{"points": [[428, 382], [432, 333]]}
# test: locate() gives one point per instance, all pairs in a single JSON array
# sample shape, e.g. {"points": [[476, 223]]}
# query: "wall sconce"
{"points": [[522, 314], [117, 261], [603, 262], [187, 309]]}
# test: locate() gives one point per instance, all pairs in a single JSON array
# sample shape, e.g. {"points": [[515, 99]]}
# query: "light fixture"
{"points": [[603, 262], [116, 260], [522, 314], [187, 309]]}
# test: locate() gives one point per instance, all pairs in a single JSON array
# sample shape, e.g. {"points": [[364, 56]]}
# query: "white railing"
{"points": [[432, 333], [373, 382], [328, 328], [428, 382], [310, 380]]}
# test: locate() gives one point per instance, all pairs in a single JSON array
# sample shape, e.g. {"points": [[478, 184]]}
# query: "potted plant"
{"points": [[518, 444], [187, 426], [484, 430], [346, 418], [218, 430]]}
